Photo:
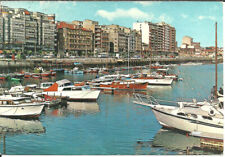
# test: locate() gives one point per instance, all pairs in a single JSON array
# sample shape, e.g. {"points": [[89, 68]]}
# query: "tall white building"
{"points": [[160, 37], [144, 28]]}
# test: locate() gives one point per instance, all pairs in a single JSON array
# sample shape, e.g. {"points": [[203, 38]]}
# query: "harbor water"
{"points": [[113, 125]]}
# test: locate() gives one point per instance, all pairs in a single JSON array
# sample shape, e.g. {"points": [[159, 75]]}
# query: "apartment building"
{"points": [[160, 37], [1, 32], [134, 42], [22, 30], [117, 37], [123, 39], [46, 30], [74, 39], [100, 37]]}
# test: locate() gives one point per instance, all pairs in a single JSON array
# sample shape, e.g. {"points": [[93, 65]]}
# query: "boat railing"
{"points": [[145, 99]]}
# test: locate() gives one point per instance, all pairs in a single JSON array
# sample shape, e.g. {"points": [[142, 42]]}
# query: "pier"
{"points": [[90, 62]]}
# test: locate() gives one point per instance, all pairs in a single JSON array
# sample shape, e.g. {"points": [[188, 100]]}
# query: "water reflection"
{"points": [[173, 141], [128, 92], [159, 88], [19, 126], [74, 108]]}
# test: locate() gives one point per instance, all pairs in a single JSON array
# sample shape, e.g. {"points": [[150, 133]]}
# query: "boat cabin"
{"points": [[15, 101], [45, 85], [59, 85]]}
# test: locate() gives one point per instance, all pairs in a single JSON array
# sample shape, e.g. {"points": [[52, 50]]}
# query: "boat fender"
{"points": [[211, 113]]}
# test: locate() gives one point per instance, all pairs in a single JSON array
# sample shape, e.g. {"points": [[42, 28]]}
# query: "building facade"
{"points": [[117, 38], [186, 40], [123, 39], [189, 47], [100, 37], [160, 37], [22, 30], [74, 39]]}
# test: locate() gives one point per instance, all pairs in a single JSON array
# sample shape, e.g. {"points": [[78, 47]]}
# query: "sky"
{"points": [[194, 19]]}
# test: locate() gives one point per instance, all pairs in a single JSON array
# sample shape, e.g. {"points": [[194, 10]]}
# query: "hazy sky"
{"points": [[195, 19]]}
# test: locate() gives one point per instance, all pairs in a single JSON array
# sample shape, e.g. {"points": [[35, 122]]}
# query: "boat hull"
{"points": [[46, 74], [82, 95], [185, 124], [21, 111], [133, 86], [155, 81], [2, 77], [27, 76]]}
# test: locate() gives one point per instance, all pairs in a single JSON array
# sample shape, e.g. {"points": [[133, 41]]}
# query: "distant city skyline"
{"points": [[194, 19]]}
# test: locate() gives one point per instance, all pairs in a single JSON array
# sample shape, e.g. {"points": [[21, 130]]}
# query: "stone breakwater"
{"points": [[99, 62]]}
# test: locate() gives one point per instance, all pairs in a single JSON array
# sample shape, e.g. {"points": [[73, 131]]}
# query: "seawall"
{"points": [[99, 62]]}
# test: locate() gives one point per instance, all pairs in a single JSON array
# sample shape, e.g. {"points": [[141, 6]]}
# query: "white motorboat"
{"points": [[203, 117], [16, 89], [75, 70], [153, 79], [64, 88], [20, 107], [166, 81]]}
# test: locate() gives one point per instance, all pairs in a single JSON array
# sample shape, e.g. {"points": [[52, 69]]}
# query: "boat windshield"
{"points": [[19, 101], [47, 84], [66, 84]]}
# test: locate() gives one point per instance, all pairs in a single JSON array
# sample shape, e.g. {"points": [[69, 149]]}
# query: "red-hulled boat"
{"points": [[36, 76], [27, 75], [156, 67], [79, 83], [53, 73], [125, 85], [46, 74], [2, 77]]}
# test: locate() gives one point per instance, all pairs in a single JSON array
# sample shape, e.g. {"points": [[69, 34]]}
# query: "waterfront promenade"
{"points": [[66, 62]]}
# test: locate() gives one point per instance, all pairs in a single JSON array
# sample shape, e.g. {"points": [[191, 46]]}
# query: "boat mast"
{"points": [[128, 61], [216, 59]]}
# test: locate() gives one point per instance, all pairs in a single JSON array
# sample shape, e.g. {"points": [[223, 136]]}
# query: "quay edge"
{"points": [[99, 62]]}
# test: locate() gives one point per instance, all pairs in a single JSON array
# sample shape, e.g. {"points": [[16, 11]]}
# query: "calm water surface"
{"points": [[113, 125]]}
